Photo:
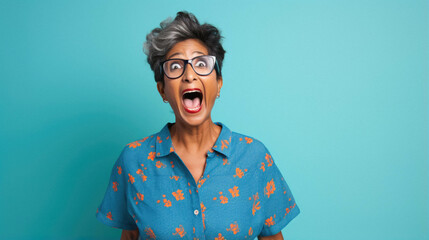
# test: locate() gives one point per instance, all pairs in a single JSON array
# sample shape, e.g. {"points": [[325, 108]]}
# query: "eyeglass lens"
{"points": [[202, 65]]}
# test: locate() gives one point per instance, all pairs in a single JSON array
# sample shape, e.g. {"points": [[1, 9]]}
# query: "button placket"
{"points": [[195, 198]]}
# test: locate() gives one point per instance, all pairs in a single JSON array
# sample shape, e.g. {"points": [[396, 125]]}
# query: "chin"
{"points": [[194, 119]]}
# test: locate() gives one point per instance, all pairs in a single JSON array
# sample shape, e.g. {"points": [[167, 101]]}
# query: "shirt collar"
{"points": [[223, 142], [164, 145]]}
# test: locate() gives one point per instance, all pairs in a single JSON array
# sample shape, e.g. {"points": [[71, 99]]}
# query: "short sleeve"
{"points": [[113, 210], [279, 205]]}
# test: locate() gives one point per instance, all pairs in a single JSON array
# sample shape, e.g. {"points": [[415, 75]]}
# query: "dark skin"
{"points": [[193, 134]]}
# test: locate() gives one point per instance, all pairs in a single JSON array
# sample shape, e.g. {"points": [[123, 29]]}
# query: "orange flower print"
{"points": [[159, 164], [144, 177], [130, 178], [115, 186], [233, 228], [174, 177], [255, 204], [203, 215], [149, 233], [224, 144], [269, 221], [225, 161], [223, 199], [134, 144], [234, 191], [219, 237], [248, 140], [289, 209], [269, 159], [141, 174], [238, 173], [109, 215], [250, 231], [171, 149], [178, 195], [201, 182], [262, 167], [151, 156], [119, 170], [140, 196], [180, 231], [270, 188], [158, 139], [167, 203]]}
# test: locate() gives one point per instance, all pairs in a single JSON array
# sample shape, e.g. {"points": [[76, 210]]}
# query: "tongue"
{"points": [[191, 103]]}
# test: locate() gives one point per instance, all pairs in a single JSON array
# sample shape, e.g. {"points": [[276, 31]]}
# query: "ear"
{"points": [[219, 84], [160, 87]]}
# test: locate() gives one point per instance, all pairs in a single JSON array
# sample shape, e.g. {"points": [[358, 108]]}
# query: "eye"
{"points": [[201, 63], [175, 66]]}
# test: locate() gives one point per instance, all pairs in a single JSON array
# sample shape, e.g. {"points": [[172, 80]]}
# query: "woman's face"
{"points": [[191, 96]]}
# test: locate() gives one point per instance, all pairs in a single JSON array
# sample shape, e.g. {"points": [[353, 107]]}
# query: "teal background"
{"points": [[337, 90]]}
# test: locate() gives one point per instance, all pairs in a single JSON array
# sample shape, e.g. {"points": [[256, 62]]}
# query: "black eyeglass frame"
{"points": [[185, 64]]}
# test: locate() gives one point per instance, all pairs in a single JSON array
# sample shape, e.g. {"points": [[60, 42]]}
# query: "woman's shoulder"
{"points": [[140, 146], [136, 152], [240, 140], [246, 141], [249, 153], [149, 147], [142, 143], [248, 150]]}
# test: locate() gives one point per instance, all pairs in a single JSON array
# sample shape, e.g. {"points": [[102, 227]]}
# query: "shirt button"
{"points": [[196, 212]]}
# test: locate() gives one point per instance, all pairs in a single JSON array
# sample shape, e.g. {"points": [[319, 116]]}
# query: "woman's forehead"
{"points": [[187, 49]]}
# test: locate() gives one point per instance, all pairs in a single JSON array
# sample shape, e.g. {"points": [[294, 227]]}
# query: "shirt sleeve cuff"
{"points": [[102, 218], [276, 228]]}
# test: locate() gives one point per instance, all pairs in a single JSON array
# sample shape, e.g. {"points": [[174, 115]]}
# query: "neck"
{"points": [[194, 139]]}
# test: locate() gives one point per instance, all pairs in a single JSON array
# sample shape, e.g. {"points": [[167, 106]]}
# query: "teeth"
{"points": [[192, 91]]}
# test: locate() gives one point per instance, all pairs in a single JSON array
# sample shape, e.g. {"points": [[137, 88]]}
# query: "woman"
{"points": [[195, 179]]}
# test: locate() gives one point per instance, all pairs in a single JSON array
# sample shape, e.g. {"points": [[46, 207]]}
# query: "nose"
{"points": [[189, 75]]}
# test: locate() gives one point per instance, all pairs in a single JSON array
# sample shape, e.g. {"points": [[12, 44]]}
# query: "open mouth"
{"points": [[192, 100]]}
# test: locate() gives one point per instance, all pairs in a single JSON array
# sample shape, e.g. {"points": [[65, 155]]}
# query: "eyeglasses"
{"points": [[202, 65]]}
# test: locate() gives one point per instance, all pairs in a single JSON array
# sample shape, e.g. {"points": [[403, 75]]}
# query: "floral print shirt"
{"points": [[241, 194]]}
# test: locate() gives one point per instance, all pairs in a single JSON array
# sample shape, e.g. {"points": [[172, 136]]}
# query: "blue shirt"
{"points": [[241, 195]]}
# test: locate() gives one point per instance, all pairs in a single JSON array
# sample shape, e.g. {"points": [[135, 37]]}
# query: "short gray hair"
{"points": [[185, 26]]}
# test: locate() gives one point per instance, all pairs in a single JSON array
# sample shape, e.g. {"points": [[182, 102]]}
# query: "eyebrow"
{"points": [[175, 54]]}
